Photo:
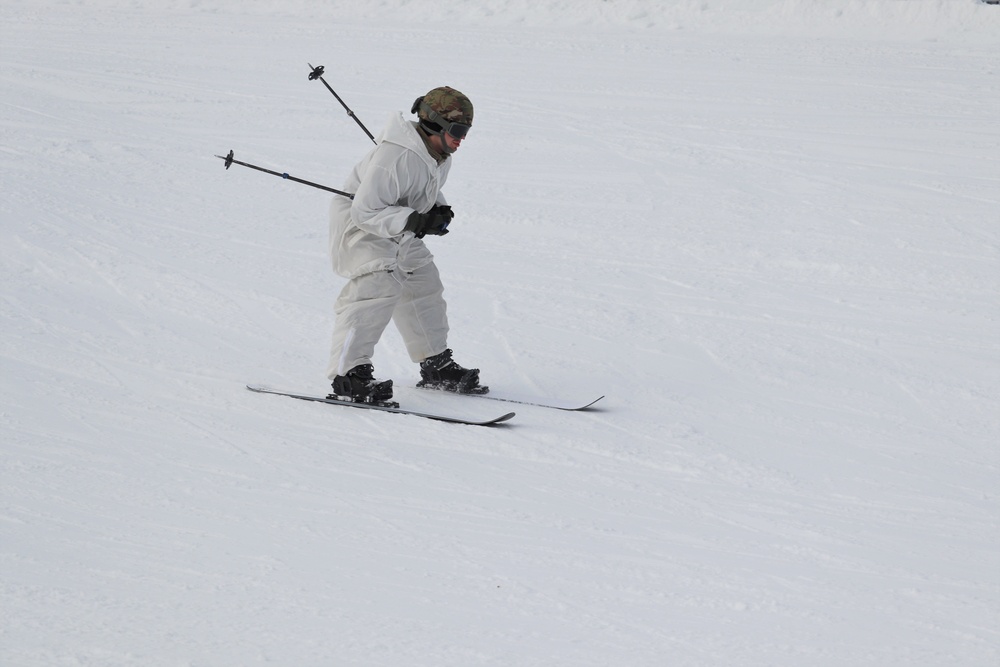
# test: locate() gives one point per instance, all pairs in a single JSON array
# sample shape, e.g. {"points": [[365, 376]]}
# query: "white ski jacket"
{"points": [[397, 177]]}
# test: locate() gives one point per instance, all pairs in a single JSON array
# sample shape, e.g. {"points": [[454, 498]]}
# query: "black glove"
{"points": [[433, 222]]}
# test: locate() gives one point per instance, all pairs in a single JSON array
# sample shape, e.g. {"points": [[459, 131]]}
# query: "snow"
{"points": [[767, 230]]}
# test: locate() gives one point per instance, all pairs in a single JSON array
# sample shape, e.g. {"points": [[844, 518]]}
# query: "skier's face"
{"points": [[445, 143], [452, 142]]}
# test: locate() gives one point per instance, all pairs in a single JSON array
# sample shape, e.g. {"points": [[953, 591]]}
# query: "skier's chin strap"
{"points": [[445, 148], [433, 130]]}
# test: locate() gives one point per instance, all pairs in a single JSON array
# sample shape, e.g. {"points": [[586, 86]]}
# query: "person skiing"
{"points": [[376, 242]]}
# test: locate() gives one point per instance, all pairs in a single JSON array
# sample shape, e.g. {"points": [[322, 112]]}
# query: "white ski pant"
{"points": [[414, 301]]}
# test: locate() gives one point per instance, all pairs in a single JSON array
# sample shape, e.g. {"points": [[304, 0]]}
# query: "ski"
{"points": [[452, 419], [556, 404]]}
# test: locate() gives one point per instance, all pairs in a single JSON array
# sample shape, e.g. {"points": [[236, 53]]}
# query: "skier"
{"points": [[376, 242]]}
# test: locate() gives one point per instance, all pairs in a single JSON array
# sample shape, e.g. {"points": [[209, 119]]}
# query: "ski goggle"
{"points": [[456, 130]]}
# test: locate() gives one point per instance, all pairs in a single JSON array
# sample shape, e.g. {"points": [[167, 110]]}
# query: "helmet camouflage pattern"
{"points": [[446, 102]]}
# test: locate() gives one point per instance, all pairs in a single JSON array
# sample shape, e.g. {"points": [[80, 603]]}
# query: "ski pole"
{"points": [[230, 161], [317, 73]]}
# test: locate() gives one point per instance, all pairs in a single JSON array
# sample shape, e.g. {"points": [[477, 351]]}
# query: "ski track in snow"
{"points": [[768, 235]]}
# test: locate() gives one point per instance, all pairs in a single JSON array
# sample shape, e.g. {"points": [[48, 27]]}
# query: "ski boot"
{"points": [[359, 386], [441, 372]]}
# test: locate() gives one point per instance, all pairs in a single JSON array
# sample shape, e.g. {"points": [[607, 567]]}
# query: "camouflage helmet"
{"points": [[444, 109]]}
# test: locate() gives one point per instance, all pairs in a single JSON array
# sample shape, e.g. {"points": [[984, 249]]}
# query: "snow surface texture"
{"points": [[768, 234]]}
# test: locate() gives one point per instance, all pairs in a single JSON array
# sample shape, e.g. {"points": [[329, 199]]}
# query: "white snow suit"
{"points": [[391, 273]]}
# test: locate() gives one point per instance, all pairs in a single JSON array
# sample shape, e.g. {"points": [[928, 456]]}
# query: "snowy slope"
{"points": [[768, 232]]}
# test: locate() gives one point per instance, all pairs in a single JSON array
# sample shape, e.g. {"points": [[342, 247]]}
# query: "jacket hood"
{"points": [[402, 132]]}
